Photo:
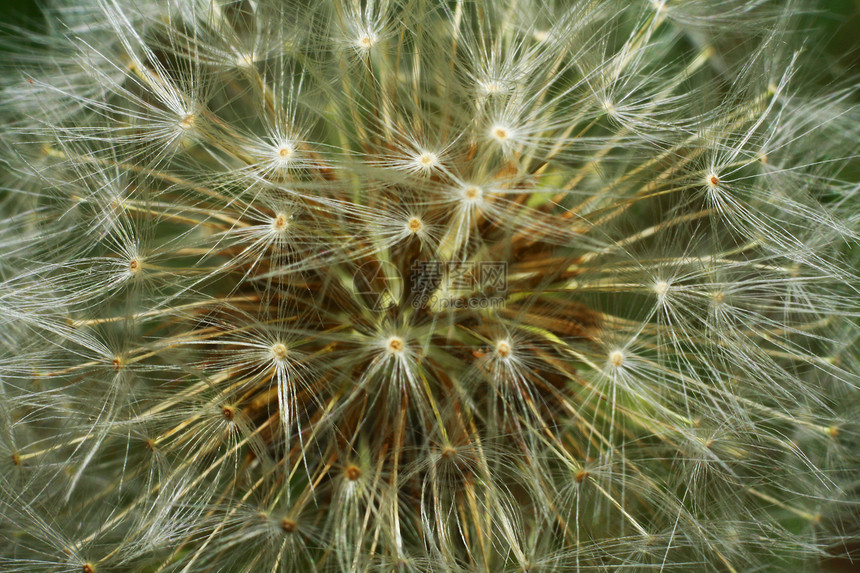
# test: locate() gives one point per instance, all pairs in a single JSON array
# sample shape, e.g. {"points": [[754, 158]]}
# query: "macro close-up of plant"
{"points": [[428, 286]]}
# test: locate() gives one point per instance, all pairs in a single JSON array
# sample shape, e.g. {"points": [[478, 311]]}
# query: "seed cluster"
{"points": [[425, 286]]}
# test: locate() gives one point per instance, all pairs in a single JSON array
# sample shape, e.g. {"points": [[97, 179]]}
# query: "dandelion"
{"points": [[390, 285]]}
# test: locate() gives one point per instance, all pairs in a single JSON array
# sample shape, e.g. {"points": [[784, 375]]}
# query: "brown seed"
{"points": [[133, 266], [279, 351], [288, 525], [228, 412], [353, 473], [427, 159], [503, 348], [280, 223], [714, 180], [395, 345], [581, 476], [414, 225], [88, 568], [16, 459], [187, 122], [472, 193]]}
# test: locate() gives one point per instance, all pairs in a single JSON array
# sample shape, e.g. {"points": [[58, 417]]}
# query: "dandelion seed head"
{"points": [[425, 285]]}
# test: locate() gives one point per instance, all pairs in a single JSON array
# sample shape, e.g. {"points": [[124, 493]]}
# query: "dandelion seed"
{"points": [[426, 162], [367, 41], [353, 473], [187, 122], [472, 194], [246, 60], [492, 87], [395, 345], [280, 223], [279, 351], [414, 225], [540, 36], [501, 133], [285, 153], [610, 108], [712, 180], [288, 525]]}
